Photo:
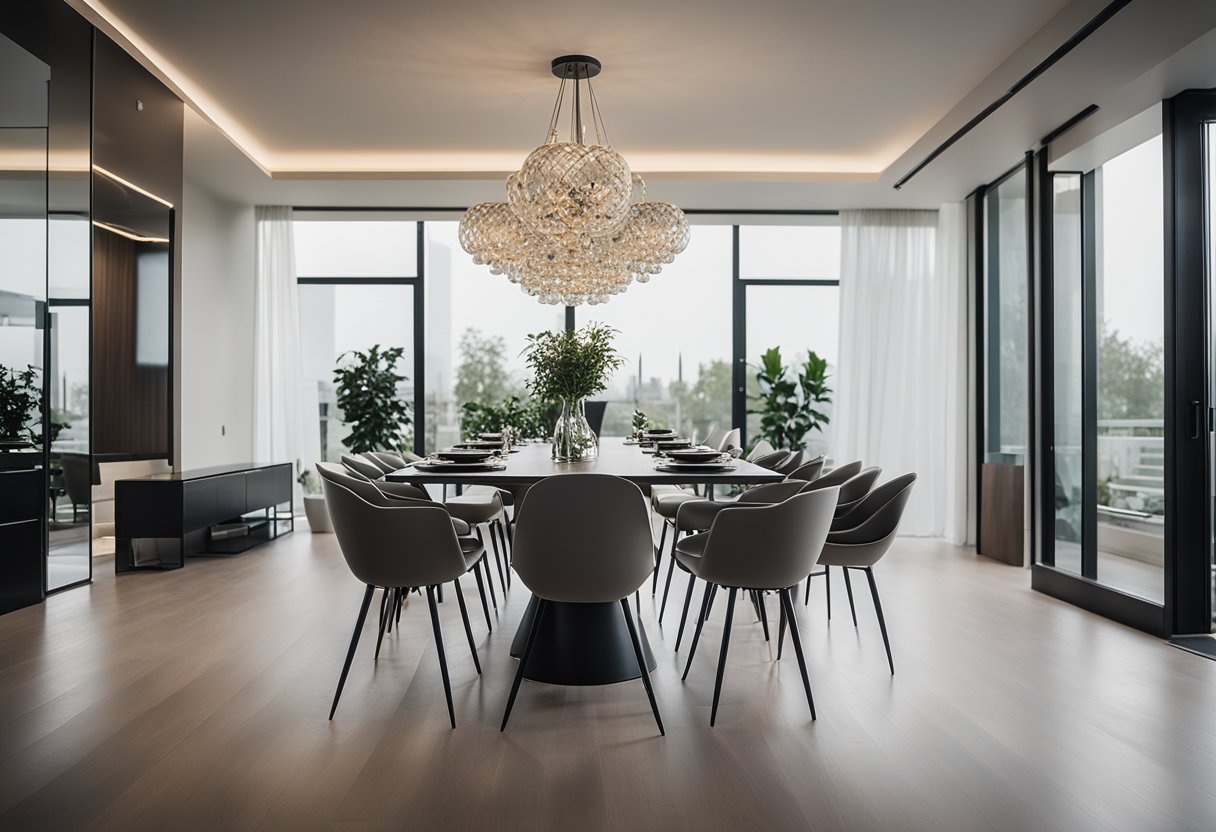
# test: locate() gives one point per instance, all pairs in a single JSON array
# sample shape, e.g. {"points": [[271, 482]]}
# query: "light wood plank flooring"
{"points": [[197, 699]]}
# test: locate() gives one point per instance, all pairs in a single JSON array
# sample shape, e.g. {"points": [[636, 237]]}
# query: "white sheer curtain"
{"points": [[281, 430], [901, 380]]}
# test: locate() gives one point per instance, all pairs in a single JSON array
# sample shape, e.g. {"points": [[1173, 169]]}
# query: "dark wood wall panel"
{"points": [[1002, 513], [130, 403]]}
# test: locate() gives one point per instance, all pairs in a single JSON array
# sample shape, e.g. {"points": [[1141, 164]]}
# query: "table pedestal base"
{"points": [[581, 644]]}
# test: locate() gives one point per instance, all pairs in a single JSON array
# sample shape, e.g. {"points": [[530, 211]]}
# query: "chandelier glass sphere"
{"points": [[576, 227]]}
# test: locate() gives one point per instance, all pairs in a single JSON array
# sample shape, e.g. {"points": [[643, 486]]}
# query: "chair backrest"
{"points": [[404, 546], [77, 477], [714, 438], [773, 460], [594, 411], [878, 514], [836, 477], [733, 440], [375, 459], [761, 448], [856, 487], [583, 538], [792, 464], [772, 492], [807, 471], [768, 547], [392, 459], [362, 466], [373, 493]]}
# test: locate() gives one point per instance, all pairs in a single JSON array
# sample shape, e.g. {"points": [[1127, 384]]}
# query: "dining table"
{"points": [[582, 644]]}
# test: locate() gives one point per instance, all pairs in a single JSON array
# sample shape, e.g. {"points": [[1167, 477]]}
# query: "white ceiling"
{"points": [[769, 103]]}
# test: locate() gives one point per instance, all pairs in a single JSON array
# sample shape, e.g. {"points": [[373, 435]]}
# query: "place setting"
{"points": [[687, 459], [463, 459]]}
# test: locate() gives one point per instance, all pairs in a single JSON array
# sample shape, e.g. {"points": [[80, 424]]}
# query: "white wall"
{"points": [[217, 330]]}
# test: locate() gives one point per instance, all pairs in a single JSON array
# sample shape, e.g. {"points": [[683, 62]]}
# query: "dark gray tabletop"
{"points": [[532, 463]]}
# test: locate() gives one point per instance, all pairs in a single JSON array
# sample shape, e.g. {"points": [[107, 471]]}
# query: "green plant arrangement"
{"points": [[640, 422], [791, 408], [532, 418], [568, 367], [366, 383], [20, 400]]}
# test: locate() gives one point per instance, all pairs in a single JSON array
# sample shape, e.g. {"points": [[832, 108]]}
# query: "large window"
{"points": [[357, 289], [1005, 320], [476, 326], [675, 336], [368, 277], [791, 278]]}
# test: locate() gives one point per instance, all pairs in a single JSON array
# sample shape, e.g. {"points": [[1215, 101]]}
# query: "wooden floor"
{"points": [[197, 699]]}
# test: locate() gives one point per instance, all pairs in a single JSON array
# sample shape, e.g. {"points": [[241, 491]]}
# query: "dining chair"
{"points": [[374, 459], [362, 466], [793, 463], [401, 548], [733, 440], [861, 546], [583, 539], [852, 490], [767, 548], [808, 471], [698, 515], [374, 494], [713, 439], [762, 448]]}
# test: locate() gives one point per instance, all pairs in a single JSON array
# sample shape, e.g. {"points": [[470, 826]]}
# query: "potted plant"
{"points": [[640, 423], [20, 399], [568, 367], [366, 382], [314, 501], [790, 408]]}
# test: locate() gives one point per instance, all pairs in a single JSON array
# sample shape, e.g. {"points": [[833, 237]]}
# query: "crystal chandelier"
{"points": [[571, 231]]}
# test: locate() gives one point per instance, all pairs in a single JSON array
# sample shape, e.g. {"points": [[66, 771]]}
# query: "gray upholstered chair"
{"points": [[772, 461], [733, 440], [808, 471], [360, 465], [401, 548], [583, 539], [762, 448], [374, 493], [792, 463], [713, 439], [758, 549], [698, 515], [835, 478], [852, 491], [374, 459], [876, 522]]}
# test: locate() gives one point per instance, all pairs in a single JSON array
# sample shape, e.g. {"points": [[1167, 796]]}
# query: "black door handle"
{"points": [[1195, 420]]}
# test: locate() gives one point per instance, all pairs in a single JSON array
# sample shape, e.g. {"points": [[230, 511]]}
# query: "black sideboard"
{"points": [[22, 530], [159, 520]]}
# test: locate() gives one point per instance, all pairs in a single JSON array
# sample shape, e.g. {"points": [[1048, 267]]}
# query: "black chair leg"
{"points": [[497, 535], [671, 567], [806, 602], [443, 659], [658, 558], [827, 581], [637, 651], [758, 600], [468, 631], [882, 622], [781, 629], [696, 634], [485, 564], [692, 579], [848, 585], [354, 642], [523, 661], [502, 582], [506, 549], [730, 614], [787, 602], [400, 604], [386, 610], [485, 607], [383, 622], [713, 593]]}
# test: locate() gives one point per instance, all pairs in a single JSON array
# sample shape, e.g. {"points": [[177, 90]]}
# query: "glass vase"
{"points": [[573, 439]]}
